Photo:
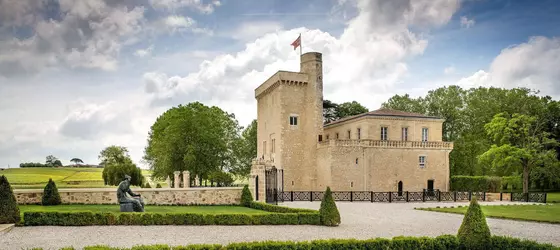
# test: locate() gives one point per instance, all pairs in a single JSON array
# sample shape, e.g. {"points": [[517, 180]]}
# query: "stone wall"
{"points": [[159, 196]]}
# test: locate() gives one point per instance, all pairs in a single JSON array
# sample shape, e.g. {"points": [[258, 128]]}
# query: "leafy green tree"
{"points": [[76, 161], [117, 164], [192, 137], [329, 111], [349, 109], [448, 103], [9, 211], [519, 142], [51, 197], [406, 104], [474, 232], [328, 211], [245, 150], [52, 161]]}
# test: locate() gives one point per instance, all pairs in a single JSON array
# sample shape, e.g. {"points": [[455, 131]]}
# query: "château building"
{"points": [[383, 150]]}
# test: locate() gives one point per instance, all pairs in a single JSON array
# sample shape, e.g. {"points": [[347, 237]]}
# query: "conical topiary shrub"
{"points": [[474, 232], [9, 211], [158, 185], [329, 213], [246, 196], [50, 194], [147, 185]]}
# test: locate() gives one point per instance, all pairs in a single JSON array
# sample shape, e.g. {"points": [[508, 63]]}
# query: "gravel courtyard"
{"points": [[359, 220]]}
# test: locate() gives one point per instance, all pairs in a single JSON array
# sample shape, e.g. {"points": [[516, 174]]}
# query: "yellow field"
{"points": [[64, 177]]}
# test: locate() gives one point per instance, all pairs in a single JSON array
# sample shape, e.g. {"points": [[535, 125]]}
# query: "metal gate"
{"points": [[271, 185]]}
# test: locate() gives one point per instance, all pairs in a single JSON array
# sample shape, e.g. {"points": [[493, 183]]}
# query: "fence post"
{"points": [[500, 196], [406, 196], [438, 195], [511, 196], [470, 195], [423, 196], [526, 197], [351, 196], [310, 195], [454, 195], [545, 197], [483, 196], [390, 196], [371, 196], [291, 195]]}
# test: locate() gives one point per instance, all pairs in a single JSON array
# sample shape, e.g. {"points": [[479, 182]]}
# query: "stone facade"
{"points": [[367, 152], [159, 196]]}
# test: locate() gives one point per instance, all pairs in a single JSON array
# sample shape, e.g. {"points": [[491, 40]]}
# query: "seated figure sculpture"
{"points": [[135, 202]]}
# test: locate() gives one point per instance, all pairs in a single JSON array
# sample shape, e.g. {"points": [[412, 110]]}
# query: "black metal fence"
{"points": [[404, 196]]}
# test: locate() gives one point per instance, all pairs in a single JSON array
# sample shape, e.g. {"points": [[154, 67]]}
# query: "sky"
{"points": [[78, 76]]}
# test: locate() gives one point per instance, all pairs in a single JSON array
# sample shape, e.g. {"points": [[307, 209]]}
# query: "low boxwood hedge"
{"points": [[278, 209], [448, 242], [91, 218]]}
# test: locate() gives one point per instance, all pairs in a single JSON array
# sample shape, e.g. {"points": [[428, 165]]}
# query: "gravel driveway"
{"points": [[359, 220]]}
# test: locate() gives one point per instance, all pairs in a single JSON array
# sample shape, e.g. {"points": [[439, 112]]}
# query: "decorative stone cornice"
{"points": [[388, 144], [379, 117]]}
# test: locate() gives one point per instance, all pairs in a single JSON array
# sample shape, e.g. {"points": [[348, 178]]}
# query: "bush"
{"points": [[246, 196], [158, 185], [449, 242], [328, 211], [474, 232], [9, 211], [51, 196], [491, 184], [278, 209], [90, 219], [147, 185]]}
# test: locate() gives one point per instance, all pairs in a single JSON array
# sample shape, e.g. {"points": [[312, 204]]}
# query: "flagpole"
{"points": [[300, 44]]}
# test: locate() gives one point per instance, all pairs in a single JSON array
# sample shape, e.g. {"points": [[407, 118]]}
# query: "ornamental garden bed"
{"points": [[448, 242], [87, 215]]}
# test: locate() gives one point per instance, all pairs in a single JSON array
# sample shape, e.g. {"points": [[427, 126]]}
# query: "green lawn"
{"points": [[541, 213], [155, 209], [553, 197]]}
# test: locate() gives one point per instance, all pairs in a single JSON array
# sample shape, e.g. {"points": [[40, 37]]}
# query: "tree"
{"points": [[57, 163], [246, 196], [349, 109], [245, 150], [9, 211], [76, 161], [329, 111], [474, 232], [52, 161], [193, 137], [519, 142], [328, 211], [51, 196], [117, 164], [406, 104]]}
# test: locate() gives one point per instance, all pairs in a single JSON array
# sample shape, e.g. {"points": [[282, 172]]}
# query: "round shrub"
{"points": [[474, 232], [147, 185], [328, 211], [158, 185], [9, 211], [51, 196], [246, 196]]}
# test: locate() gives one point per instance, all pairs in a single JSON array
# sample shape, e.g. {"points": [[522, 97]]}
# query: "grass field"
{"points": [[154, 209], [21, 178], [540, 213], [553, 197]]}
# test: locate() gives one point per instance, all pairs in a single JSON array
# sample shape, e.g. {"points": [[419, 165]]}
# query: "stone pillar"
{"points": [[177, 180], [186, 179], [196, 181], [257, 180], [168, 181]]}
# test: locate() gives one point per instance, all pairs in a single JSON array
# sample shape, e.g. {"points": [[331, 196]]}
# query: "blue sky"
{"points": [[77, 76]]}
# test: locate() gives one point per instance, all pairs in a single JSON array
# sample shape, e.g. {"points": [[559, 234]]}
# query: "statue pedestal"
{"points": [[127, 207]]}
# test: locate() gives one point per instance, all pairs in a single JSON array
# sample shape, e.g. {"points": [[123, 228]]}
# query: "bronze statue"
{"points": [[125, 201]]}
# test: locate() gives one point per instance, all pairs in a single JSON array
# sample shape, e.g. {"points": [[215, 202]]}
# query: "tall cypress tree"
{"points": [[9, 211], [50, 194]]}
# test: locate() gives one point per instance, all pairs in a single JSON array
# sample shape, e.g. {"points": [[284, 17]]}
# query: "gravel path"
{"points": [[359, 220]]}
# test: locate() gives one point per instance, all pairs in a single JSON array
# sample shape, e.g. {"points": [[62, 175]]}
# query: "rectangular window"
{"points": [[348, 134], [293, 120], [383, 133], [327, 137], [336, 135], [359, 134], [422, 161], [320, 137], [424, 134], [405, 134]]}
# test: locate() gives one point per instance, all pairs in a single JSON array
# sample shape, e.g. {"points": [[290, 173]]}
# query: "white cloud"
{"points": [[449, 70], [466, 22], [198, 5], [178, 21], [144, 52], [533, 64], [250, 31]]}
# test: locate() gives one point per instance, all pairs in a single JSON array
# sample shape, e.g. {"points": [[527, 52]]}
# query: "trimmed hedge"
{"points": [[90, 218], [51, 197], [328, 211], [246, 196], [448, 242], [9, 211], [476, 183], [278, 209], [474, 232]]}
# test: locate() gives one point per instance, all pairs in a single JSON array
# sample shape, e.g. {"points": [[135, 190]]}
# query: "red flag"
{"points": [[297, 42]]}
